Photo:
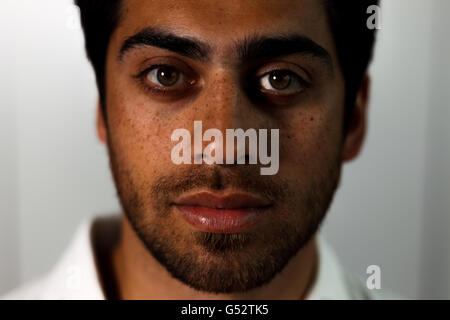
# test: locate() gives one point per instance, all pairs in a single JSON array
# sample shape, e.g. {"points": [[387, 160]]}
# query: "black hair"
{"points": [[99, 19], [354, 40], [347, 18]]}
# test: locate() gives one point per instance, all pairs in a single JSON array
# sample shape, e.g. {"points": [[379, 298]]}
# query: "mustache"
{"points": [[216, 178]]}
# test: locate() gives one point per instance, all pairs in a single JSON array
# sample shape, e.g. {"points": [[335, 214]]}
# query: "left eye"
{"points": [[164, 76], [280, 80]]}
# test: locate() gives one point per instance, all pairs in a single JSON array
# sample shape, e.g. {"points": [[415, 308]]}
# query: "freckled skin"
{"points": [[221, 104], [312, 145]]}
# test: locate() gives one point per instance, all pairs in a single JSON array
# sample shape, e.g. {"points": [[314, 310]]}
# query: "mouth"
{"points": [[233, 212]]}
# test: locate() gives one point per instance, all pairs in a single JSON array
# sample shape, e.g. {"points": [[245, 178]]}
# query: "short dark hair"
{"points": [[354, 42], [348, 22], [99, 19]]}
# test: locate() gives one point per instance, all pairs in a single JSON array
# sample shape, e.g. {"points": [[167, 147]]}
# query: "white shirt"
{"points": [[76, 275]]}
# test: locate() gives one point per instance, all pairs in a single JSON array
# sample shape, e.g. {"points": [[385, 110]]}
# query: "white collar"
{"points": [[331, 282], [75, 276]]}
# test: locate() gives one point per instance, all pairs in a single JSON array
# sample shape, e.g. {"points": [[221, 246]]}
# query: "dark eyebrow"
{"points": [[251, 48], [155, 37], [261, 47]]}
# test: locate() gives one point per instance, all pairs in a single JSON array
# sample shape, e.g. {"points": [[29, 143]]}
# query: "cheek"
{"points": [[139, 136], [313, 133], [140, 139], [311, 140]]}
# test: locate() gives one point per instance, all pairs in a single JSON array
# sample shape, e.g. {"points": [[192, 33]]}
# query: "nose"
{"points": [[220, 103], [223, 105]]}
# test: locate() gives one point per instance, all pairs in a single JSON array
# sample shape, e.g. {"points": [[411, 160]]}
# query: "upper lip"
{"points": [[232, 200]]}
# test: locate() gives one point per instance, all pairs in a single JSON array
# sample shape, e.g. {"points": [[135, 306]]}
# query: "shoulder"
{"points": [[76, 275]]}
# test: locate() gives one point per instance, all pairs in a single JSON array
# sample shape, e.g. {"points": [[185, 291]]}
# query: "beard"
{"points": [[223, 262]]}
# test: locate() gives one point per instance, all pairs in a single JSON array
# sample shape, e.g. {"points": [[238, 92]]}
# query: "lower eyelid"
{"points": [[158, 90], [283, 93]]}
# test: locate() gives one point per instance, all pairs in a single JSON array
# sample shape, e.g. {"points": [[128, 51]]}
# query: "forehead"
{"points": [[219, 23]]}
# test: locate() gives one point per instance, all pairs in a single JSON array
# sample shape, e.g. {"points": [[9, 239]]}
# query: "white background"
{"points": [[393, 206]]}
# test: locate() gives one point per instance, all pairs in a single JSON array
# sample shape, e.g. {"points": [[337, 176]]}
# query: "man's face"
{"points": [[258, 64]]}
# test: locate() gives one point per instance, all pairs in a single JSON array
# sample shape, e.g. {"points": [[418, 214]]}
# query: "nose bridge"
{"points": [[219, 106]]}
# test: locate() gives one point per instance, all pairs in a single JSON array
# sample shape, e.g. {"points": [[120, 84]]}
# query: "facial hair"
{"points": [[223, 262]]}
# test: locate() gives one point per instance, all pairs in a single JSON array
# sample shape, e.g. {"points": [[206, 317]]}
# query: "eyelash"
{"points": [[255, 87]]}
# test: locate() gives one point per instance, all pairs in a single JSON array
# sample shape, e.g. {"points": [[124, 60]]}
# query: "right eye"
{"points": [[164, 76], [167, 80]]}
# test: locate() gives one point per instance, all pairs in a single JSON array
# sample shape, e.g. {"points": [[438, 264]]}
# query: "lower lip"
{"points": [[221, 220]]}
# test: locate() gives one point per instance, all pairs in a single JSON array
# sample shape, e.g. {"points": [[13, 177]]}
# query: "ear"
{"points": [[101, 125], [357, 124]]}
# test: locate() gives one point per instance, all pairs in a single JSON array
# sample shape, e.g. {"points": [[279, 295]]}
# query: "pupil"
{"points": [[167, 76], [280, 80]]}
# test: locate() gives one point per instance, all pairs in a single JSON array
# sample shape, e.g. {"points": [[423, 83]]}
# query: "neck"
{"points": [[139, 276]]}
